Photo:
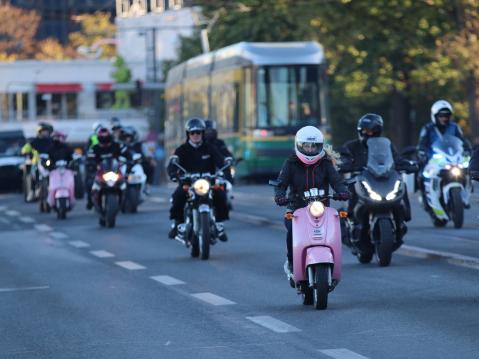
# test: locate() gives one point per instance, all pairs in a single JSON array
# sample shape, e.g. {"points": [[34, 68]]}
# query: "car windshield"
{"points": [[448, 146], [380, 156], [288, 95], [11, 144]]}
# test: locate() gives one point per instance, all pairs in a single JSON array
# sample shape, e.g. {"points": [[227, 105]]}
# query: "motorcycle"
{"points": [[78, 168], [43, 180], [447, 184], [135, 186], [317, 248], [28, 180], [108, 190], [61, 190], [381, 206], [200, 229]]}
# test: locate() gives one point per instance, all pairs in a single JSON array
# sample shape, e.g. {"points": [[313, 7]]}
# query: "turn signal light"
{"points": [[186, 187], [289, 216], [343, 214]]}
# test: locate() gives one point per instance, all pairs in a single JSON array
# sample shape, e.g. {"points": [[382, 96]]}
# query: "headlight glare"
{"points": [[316, 209], [392, 195], [201, 187], [373, 195], [110, 176], [456, 171]]}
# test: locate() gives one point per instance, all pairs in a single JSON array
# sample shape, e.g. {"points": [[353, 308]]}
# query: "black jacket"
{"points": [[202, 159], [354, 155], [299, 177], [42, 145], [115, 150], [60, 151], [474, 164], [221, 147]]}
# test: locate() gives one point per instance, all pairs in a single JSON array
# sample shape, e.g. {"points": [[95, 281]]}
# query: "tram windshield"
{"points": [[288, 96]]}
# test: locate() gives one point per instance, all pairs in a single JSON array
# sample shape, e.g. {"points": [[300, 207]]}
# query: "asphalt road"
{"points": [[70, 289]]}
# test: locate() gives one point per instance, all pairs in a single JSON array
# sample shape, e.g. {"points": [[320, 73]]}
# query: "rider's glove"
{"points": [[281, 200], [343, 196], [422, 157]]}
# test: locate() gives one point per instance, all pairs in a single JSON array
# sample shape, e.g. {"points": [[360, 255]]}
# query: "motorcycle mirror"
{"points": [[307, 194], [314, 192], [136, 156], [274, 183]]}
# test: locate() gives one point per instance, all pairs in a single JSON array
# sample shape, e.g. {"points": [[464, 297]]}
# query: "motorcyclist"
{"points": [[310, 167], [440, 125], [106, 148], [93, 139], [196, 156], [474, 164], [354, 155], [116, 129], [40, 144], [211, 137], [59, 149]]}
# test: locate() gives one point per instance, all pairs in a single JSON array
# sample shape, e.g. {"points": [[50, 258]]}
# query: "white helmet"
{"points": [[96, 126], [440, 106], [308, 145]]}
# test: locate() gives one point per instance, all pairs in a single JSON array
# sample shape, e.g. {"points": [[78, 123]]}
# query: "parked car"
{"points": [[11, 143]]}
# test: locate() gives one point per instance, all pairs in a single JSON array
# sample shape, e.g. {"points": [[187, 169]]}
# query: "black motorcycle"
{"points": [[200, 228], [44, 165], [381, 205], [107, 191]]}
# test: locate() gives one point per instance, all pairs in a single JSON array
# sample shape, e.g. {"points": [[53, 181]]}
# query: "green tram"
{"points": [[259, 94]]}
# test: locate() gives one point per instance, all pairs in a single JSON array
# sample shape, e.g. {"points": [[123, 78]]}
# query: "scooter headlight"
{"points": [[456, 171], [373, 195], [201, 187], [316, 209], [392, 195], [110, 176]]}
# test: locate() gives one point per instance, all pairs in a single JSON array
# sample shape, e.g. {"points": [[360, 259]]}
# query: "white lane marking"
{"points": [[27, 219], [273, 324], [102, 254], [130, 265], [78, 244], [213, 299], [158, 200], [12, 213], [5, 221], [43, 227], [58, 235], [4, 290], [167, 280], [3, 208], [342, 353]]}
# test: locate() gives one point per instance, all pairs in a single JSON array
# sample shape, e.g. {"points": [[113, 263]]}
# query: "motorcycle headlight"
{"points": [[456, 171], [373, 195], [392, 195], [110, 177], [201, 187], [316, 209]]}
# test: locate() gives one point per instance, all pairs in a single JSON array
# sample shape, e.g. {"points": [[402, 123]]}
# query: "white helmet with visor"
{"points": [[308, 144]]}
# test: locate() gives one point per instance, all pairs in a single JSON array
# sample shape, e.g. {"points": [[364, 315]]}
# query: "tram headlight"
{"points": [[201, 187], [316, 209]]}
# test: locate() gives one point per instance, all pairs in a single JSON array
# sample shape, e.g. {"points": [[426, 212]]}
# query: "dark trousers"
{"points": [[288, 223], [179, 200]]}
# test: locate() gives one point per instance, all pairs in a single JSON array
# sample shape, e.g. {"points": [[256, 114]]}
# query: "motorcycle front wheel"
{"points": [[111, 209], [456, 207], [384, 242], [204, 237]]}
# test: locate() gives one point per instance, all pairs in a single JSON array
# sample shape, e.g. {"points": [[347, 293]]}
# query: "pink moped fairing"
{"points": [[316, 240], [62, 184]]}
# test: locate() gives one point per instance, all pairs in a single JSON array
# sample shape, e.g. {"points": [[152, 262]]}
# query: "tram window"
{"points": [[287, 95], [57, 105], [104, 99]]}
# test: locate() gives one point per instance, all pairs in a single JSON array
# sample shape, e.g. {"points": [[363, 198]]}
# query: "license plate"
{"points": [[317, 232]]}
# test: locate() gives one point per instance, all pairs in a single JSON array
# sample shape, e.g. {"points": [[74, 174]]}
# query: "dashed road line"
{"points": [[12, 213], [158, 200], [5, 290], [5, 221], [3, 208], [213, 299], [342, 353], [167, 280], [273, 324], [130, 265], [26, 219], [102, 254], [79, 244], [58, 235], [43, 227]]}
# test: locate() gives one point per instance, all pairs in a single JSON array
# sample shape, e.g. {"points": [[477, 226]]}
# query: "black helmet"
{"points": [[115, 123], [210, 124], [104, 136], [210, 132], [44, 126], [371, 123], [128, 132], [195, 124]]}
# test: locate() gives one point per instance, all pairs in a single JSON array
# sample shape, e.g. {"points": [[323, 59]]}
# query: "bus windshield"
{"points": [[287, 95]]}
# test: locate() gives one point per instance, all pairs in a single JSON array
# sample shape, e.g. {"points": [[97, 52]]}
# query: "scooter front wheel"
{"points": [[322, 274], [62, 208]]}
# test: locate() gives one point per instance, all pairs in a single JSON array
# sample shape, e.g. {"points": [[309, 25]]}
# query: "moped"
{"points": [[61, 189]]}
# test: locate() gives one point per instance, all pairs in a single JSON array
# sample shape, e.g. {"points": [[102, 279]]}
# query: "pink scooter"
{"points": [[61, 189], [316, 248]]}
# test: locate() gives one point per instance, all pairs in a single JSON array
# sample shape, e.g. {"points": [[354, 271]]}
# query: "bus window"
{"points": [[288, 96]]}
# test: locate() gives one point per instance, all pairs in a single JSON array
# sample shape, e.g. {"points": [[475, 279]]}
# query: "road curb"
{"points": [[405, 250]]}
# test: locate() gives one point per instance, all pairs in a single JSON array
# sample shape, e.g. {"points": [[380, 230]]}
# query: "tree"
{"points": [[17, 31], [97, 31], [122, 74], [52, 49]]}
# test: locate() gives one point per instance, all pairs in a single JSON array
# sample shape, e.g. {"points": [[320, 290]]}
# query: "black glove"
{"points": [[422, 157], [342, 196], [281, 200]]}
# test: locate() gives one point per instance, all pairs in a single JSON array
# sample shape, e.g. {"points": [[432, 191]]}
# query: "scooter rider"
{"points": [[440, 125], [59, 149], [310, 167], [355, 158], [211, 136], [196, 156]]}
